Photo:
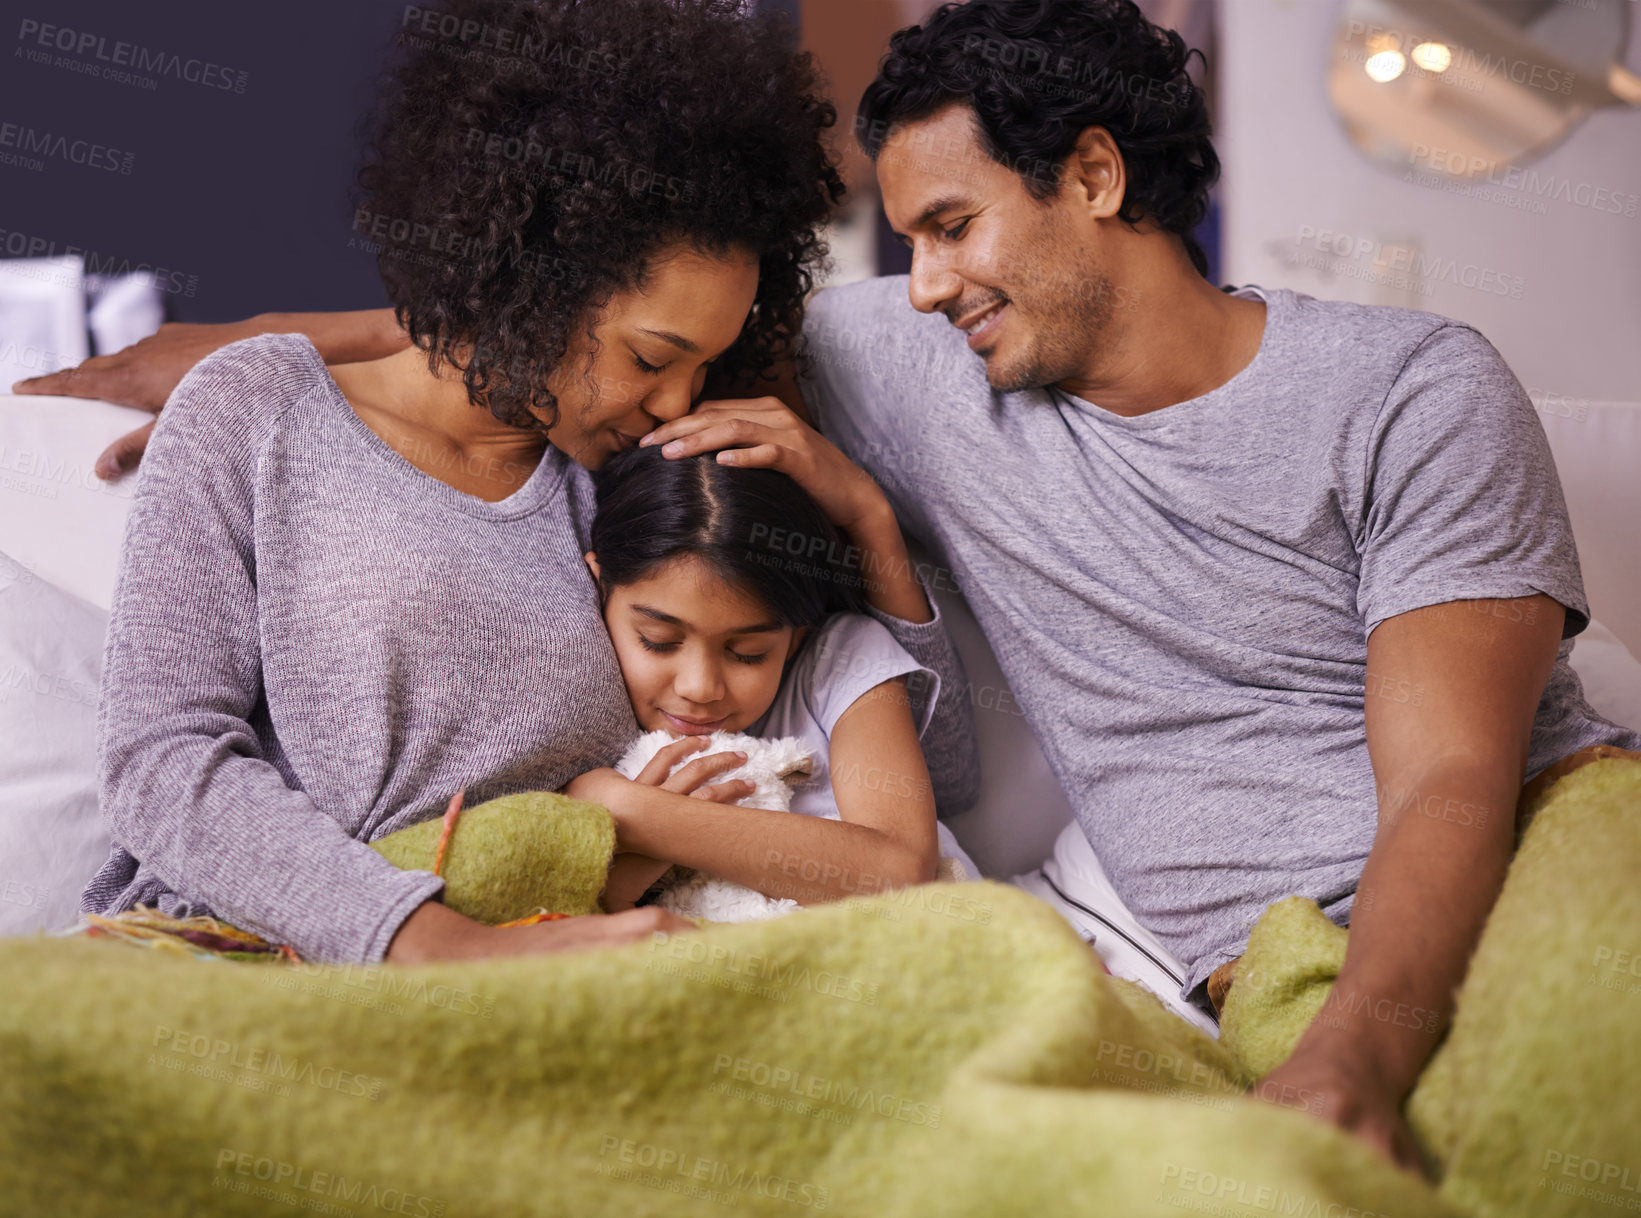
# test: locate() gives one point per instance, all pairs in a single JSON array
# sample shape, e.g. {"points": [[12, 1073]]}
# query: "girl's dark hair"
{"points": [[755, 528], [528, 160], [1037, 73]]}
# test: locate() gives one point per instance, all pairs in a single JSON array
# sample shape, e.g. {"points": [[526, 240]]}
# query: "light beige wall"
{"points": [[1574, 332]]}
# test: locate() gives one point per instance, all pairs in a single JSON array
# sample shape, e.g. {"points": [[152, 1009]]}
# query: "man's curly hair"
{"points": [[1037, 73], [529, 160]]}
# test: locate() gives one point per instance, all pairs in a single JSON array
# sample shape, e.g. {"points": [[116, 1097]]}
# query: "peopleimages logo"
{"points": [[1422, 268], [175, 1047], [1528, 183], [14, 244], [1037, 68], [672, 1168], [270, 1179], [802, 1085], [428, 27], [28, 140], [545, 161], [96, 55], [1465, 65]]}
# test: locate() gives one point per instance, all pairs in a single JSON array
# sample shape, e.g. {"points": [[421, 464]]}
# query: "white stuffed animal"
{"points": [[775, 766]]}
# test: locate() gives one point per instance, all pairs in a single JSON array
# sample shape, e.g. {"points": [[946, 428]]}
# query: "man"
{"points": [[1286, 588]]}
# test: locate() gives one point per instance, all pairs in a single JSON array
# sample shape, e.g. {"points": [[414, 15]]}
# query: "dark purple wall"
{"points": [[230, 174]]}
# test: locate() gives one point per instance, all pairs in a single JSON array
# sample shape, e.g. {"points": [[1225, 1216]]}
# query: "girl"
{"points": [[719, 627]]}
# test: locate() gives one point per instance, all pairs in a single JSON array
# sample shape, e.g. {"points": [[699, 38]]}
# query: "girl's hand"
{"points": [[692, 779], [765, 433], [612, 789], [631, 876], [621, 795]]}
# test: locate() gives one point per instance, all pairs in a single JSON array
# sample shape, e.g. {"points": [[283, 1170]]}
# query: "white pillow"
{"points": [[52, 839], [1021, 808], [1610, 674], [1596, 446], [42, 316]]}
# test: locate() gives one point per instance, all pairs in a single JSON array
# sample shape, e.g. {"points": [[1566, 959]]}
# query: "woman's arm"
{"points": [[886, 838], [184, 787], [144, 374], [434, 932]]}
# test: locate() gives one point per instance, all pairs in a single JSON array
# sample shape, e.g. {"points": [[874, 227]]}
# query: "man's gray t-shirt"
{"points": [[1181, 601]]}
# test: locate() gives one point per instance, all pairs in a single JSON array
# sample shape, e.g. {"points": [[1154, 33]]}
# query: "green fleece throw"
{"points": [[514, 856], [944, 1050]]}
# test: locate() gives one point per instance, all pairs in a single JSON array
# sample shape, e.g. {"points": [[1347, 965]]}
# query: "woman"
{"points": [[347, 593]]}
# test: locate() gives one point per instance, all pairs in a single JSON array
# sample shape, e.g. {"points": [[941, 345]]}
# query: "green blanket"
{"points": [[946, 1050]]}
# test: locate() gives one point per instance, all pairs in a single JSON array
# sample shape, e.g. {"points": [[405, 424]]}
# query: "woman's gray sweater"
{"points": [[313, 643]]}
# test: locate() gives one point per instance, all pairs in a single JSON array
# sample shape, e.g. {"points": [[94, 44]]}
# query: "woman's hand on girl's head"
{"points": [[765, 433]]}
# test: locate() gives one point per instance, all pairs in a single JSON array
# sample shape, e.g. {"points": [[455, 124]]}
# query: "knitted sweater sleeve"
{"points": [[183, 784]]}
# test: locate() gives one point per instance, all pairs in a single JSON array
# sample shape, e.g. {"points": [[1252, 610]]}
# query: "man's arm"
{"points": [[1451, 693], [144, 374]]}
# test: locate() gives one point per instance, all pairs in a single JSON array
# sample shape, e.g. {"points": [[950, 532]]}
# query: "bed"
{"points": [[876, 1056]]}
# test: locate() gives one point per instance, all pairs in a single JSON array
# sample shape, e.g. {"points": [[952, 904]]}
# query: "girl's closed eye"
{"points": [[668, 648]]}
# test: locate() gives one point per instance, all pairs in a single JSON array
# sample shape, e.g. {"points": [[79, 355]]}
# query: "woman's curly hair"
{"points": [[1037, 73], [529, 160]]}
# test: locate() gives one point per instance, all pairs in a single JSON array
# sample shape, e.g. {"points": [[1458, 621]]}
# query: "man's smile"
{"points": [[981, 327]]}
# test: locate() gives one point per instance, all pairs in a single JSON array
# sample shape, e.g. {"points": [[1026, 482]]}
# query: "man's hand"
{"points": [[141, 375], [1341, 1086], [144, 374]]}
